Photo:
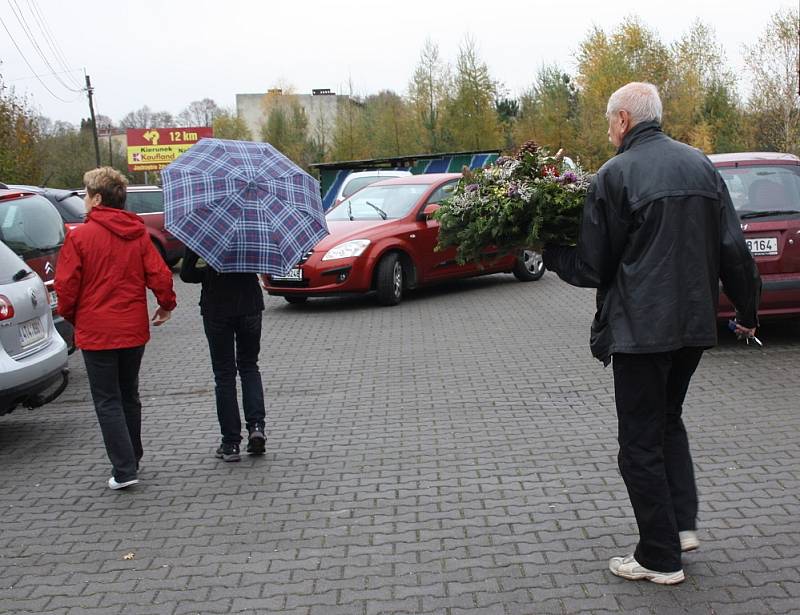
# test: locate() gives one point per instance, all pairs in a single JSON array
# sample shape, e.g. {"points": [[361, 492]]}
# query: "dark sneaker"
{"points": [[256, 442], [228, 452]]}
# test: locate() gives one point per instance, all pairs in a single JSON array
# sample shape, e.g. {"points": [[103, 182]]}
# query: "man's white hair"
{"points": [[639, 99]]}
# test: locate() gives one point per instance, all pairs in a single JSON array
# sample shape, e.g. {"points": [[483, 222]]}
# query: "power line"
{"points": [[63, 72], [44, 85], [29, 33], [51, 40]]}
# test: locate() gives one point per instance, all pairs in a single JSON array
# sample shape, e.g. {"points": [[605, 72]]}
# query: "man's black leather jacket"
{"points": [[657, 235]]}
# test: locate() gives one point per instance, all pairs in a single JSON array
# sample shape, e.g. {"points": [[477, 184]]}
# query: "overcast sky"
{"points": [[168, 53]]}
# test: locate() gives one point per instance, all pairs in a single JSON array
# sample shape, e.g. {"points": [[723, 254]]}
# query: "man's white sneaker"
{"points": [[689, 540], [628, 568], [113, 484]]}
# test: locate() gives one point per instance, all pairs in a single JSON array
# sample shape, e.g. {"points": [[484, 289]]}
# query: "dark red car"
{"points": [[148, 203], [382, 239], [765, 189], [34, 230]]}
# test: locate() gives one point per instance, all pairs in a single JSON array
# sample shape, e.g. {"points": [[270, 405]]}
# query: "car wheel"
{"points": [[529, 266], [294, 299], [390, 280]]}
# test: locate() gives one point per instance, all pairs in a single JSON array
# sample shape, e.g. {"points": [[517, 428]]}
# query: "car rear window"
{"points": [[145, 202], [74, 207], [9, 264], [763, 188], [30, 225]]}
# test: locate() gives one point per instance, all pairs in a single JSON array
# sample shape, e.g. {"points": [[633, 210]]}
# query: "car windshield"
{"points": [[358, 183], [379, 203], [759, 189], [30, 225]]}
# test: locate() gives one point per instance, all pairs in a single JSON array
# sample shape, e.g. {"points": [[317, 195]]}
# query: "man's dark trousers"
{"points": [[234, 343], [654, 457], [114, 382]]}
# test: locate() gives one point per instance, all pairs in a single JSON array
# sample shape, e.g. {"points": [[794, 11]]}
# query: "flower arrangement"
{"points": [[517, 202]]}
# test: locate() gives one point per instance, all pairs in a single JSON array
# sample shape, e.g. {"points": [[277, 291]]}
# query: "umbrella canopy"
{"points": [[242, 206]]}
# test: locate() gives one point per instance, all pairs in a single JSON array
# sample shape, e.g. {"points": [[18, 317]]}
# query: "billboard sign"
{"points": [[151, 149]]}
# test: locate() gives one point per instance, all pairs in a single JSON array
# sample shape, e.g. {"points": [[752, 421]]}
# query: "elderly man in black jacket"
{"points": [[657, 235]]}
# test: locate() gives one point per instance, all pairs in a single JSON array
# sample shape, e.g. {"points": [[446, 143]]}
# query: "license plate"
{"points": [[763, 246], [30, 332], [295, 274], [53, 299]]}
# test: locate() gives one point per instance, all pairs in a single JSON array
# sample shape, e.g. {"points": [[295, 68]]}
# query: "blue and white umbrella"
{"points": [[242, 206]]}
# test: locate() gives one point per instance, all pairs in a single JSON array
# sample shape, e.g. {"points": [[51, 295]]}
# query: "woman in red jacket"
{"points": [[104, 270]]}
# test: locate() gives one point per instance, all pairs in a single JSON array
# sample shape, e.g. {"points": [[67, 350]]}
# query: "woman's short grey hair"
{"points": [[110, 184], [639, 99]]}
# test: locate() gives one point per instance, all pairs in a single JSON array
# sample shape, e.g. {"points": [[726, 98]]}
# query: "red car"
{"points": [[382, 239], [34, 230], [765, 189], [148, 202]]}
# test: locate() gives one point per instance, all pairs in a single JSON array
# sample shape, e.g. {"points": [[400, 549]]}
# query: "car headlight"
{"points": [[347, 249]]}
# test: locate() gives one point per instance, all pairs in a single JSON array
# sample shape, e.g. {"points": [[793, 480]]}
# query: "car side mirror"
{"points": [[428, 211]]}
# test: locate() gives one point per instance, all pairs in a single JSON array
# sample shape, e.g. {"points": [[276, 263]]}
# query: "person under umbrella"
{"points": [[231, 305], [244, 209]]}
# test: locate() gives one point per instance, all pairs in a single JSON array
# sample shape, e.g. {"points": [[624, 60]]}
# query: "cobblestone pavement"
{"points": [[454, 454]]}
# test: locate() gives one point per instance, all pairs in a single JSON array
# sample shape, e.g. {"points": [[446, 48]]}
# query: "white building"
{"points": [[320, 107]]}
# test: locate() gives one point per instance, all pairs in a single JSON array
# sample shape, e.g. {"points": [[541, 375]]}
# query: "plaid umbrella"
{"points": [[242, 206]]}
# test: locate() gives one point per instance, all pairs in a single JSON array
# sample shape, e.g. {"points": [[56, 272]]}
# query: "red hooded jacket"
{"points": [[104, 270]]}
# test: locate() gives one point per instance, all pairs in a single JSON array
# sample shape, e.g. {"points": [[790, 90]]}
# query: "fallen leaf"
{"points": [[128, 555]]}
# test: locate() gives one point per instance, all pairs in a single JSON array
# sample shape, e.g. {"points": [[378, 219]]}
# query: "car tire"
{"points": [[295, 300], [529, 266], [389, 280]]}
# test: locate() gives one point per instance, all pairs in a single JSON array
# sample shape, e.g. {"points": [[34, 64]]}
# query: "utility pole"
{"points": [[94, 122]]}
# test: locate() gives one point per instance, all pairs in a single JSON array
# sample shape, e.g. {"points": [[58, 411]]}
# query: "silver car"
{"points": [[33, 356]]}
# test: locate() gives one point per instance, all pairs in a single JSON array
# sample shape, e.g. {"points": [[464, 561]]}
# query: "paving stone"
{"points": [[453, 454]]}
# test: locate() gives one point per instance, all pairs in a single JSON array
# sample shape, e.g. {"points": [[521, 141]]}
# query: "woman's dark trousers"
{"points": [[654, 457], [114, 382], [234, 343]]}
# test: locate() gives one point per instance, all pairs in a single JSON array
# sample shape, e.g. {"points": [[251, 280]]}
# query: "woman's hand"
{"points": [[160, 316]]}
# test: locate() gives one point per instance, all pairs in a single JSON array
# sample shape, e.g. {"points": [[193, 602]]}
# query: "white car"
{"points": [[361, 179], [33, 356]]}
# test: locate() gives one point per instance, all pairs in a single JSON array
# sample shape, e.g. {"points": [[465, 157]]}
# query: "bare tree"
{"points": [[772, 63], [199, 113]]}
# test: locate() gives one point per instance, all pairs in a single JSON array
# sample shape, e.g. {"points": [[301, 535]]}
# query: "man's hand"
{"points": [[160, 316], [744, 331]]}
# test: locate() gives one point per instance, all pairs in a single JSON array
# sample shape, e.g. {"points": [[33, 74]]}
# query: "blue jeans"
{"points": [[114, 382], [234, 343]]}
